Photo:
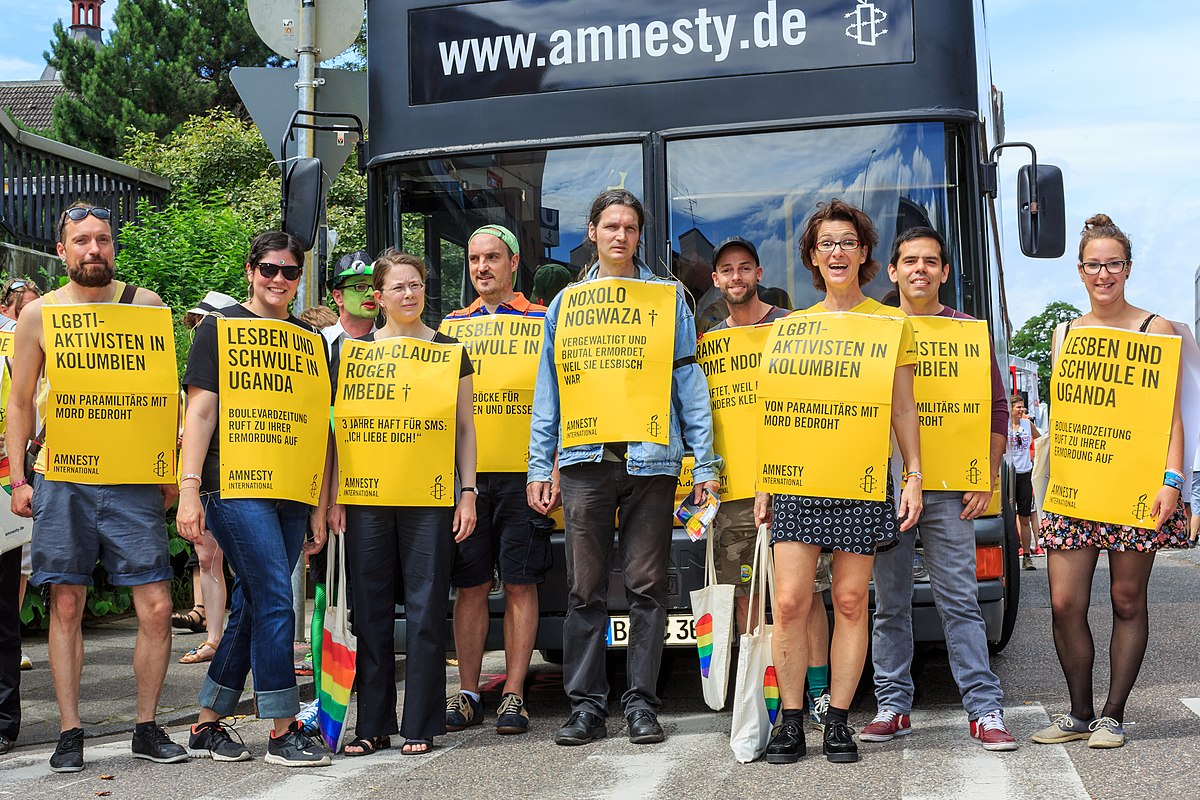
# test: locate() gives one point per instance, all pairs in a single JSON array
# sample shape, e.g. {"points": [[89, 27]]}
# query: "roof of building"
{"points": [[30, 102]]}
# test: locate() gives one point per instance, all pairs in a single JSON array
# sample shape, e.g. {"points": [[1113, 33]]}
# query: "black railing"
{"points": [[41, 177]]}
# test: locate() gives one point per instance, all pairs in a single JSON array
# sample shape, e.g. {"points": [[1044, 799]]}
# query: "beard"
{"points": [[750, 294], [91, 274]]}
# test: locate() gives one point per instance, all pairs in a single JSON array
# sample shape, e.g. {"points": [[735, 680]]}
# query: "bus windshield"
{"points": [[764, 186]]}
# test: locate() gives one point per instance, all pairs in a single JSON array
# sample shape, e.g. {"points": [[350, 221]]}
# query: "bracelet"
{"points": [[1173, 479], [469, 489], [189, 477], [906, 475], [18, 484]]}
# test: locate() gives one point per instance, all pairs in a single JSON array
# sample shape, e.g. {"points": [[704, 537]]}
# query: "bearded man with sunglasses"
{"points": [[124, 525]]}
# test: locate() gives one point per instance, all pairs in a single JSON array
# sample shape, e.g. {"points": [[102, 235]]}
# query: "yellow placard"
{"points": [[1113, 394], [824, 405], [6, 349], [394, 422], [953, 390], [613, 351], [274, 389], [504, 350], [6, 343], [111, 413], [730, 359]]}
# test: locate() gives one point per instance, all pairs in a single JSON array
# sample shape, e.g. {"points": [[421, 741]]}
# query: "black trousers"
{"points": [[592, 495], [10, 644], [386, 546]]}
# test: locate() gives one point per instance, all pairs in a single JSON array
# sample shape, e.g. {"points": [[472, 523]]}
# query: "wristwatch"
{"points": [[469, 489]]}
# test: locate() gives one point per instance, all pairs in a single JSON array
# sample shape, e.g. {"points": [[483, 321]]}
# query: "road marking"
{"points": [[1193, 703], [941, 761]]}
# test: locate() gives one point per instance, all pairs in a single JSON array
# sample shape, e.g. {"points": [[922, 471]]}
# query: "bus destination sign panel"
{"points": [[513, 47]]}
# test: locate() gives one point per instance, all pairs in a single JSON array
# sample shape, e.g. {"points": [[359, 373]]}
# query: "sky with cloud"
{"points": [[1103, 88]]}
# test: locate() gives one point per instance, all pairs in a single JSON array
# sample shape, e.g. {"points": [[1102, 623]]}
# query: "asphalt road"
{"points": [[1160, 759]]}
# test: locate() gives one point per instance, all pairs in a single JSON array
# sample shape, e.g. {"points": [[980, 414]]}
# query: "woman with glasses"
{"points": [[836, 247], [413, 546], [1073, 545], [262, 539]]}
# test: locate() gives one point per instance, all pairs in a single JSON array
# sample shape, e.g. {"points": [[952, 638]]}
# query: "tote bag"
{"points": [[756, 692], [339, 649], [712, 608]]}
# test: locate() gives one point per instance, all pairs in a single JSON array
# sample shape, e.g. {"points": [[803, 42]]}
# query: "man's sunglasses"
{"points": [[80, 212], [290, 271]]}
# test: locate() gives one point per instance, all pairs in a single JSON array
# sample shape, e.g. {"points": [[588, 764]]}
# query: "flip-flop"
{"points": [[194, 656], [410, 743], [367, 745]]}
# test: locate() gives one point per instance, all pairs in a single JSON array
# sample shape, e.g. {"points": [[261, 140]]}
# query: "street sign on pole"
{"points": [[277, 23]]}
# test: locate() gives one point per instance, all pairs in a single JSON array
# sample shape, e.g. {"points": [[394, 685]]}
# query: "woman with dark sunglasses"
{"points": [[261, 538]]}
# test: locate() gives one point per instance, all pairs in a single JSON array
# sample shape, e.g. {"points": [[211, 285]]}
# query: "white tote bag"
{"points": [[712, 609], [756, 693], [14, 531]]}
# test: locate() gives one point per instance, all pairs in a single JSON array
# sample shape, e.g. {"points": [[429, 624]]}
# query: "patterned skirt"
{"points": [[1068, 533], [852, 526]]}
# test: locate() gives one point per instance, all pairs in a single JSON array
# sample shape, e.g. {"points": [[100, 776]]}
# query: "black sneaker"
{"points": [[296, 749], [839, 743], [462, 711], [68, 756], [512, 717], [787, 743], [153, 744], [212, 740]]}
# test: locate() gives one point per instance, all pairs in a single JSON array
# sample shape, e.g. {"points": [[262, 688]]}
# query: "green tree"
{"points": [[165, 60], [1035, 340]]}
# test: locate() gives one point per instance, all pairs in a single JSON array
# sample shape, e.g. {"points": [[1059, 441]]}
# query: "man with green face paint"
{"points": [[354, 294]]}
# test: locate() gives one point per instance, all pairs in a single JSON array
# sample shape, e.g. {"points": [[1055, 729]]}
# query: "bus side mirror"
{"points": [[302, 200], [1041, 211]]}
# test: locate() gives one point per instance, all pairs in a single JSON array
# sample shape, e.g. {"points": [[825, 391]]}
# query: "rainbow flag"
{"points": [[5, 480], [704, 642], [337, 677], [771, 693]]}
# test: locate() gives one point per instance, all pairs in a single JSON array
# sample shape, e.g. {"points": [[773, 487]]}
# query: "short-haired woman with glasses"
{"points": [[837, 247], [261, 538], [413, 546], [1073, 545]]}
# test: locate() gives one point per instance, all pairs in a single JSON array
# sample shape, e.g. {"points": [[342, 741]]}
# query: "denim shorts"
{"points": [[509, 536], [75, 524]]}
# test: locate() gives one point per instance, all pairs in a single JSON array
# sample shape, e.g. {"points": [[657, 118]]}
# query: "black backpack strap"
{"points": [[128, 293], [1146, 323]]}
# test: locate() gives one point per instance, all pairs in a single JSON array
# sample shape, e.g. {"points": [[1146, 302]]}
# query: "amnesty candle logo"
{"points": [[869, 481], [315, 486], [1140, 509], [161, 466], [438, 490], [973, 472], [654, 428]]}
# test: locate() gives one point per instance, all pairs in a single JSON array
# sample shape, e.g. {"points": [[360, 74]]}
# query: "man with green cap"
{"points": [[354, 294], [509, 535]]}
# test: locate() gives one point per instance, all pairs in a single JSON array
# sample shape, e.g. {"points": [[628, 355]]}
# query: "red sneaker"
{"points": [[886, 726], [992, 733]]}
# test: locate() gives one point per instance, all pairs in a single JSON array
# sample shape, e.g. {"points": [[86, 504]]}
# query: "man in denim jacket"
{"points": [[637, 479]]}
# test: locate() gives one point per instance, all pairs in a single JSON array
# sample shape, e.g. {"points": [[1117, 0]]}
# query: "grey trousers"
{"points": [[949, 545], [593, 495]]}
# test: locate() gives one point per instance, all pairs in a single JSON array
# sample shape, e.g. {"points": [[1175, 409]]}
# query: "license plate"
{"points": [[680, 631]]}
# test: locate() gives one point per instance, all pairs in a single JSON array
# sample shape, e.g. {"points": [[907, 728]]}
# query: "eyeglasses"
{"points": [[358, 288], [76, 213], [291, 272], [1114, 267], [847, 245], [415, 287]]}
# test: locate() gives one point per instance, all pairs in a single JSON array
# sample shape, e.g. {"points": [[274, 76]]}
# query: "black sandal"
{"points": [[367, 745], [425, 744], [193, 620]]}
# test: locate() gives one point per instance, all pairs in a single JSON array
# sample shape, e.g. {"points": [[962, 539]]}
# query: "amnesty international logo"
{"points": [[654, 428], [438, 490], [1140, 509], [974, 473], [869, 481], [161, 466], [865, 29], [315, 487]]}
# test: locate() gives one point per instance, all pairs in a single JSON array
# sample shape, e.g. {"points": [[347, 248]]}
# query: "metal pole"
{"points": [[310, 283]]}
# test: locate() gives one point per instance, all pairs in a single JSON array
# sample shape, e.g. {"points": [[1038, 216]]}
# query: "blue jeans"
{"points": [[949, 544], [261, 540]]}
